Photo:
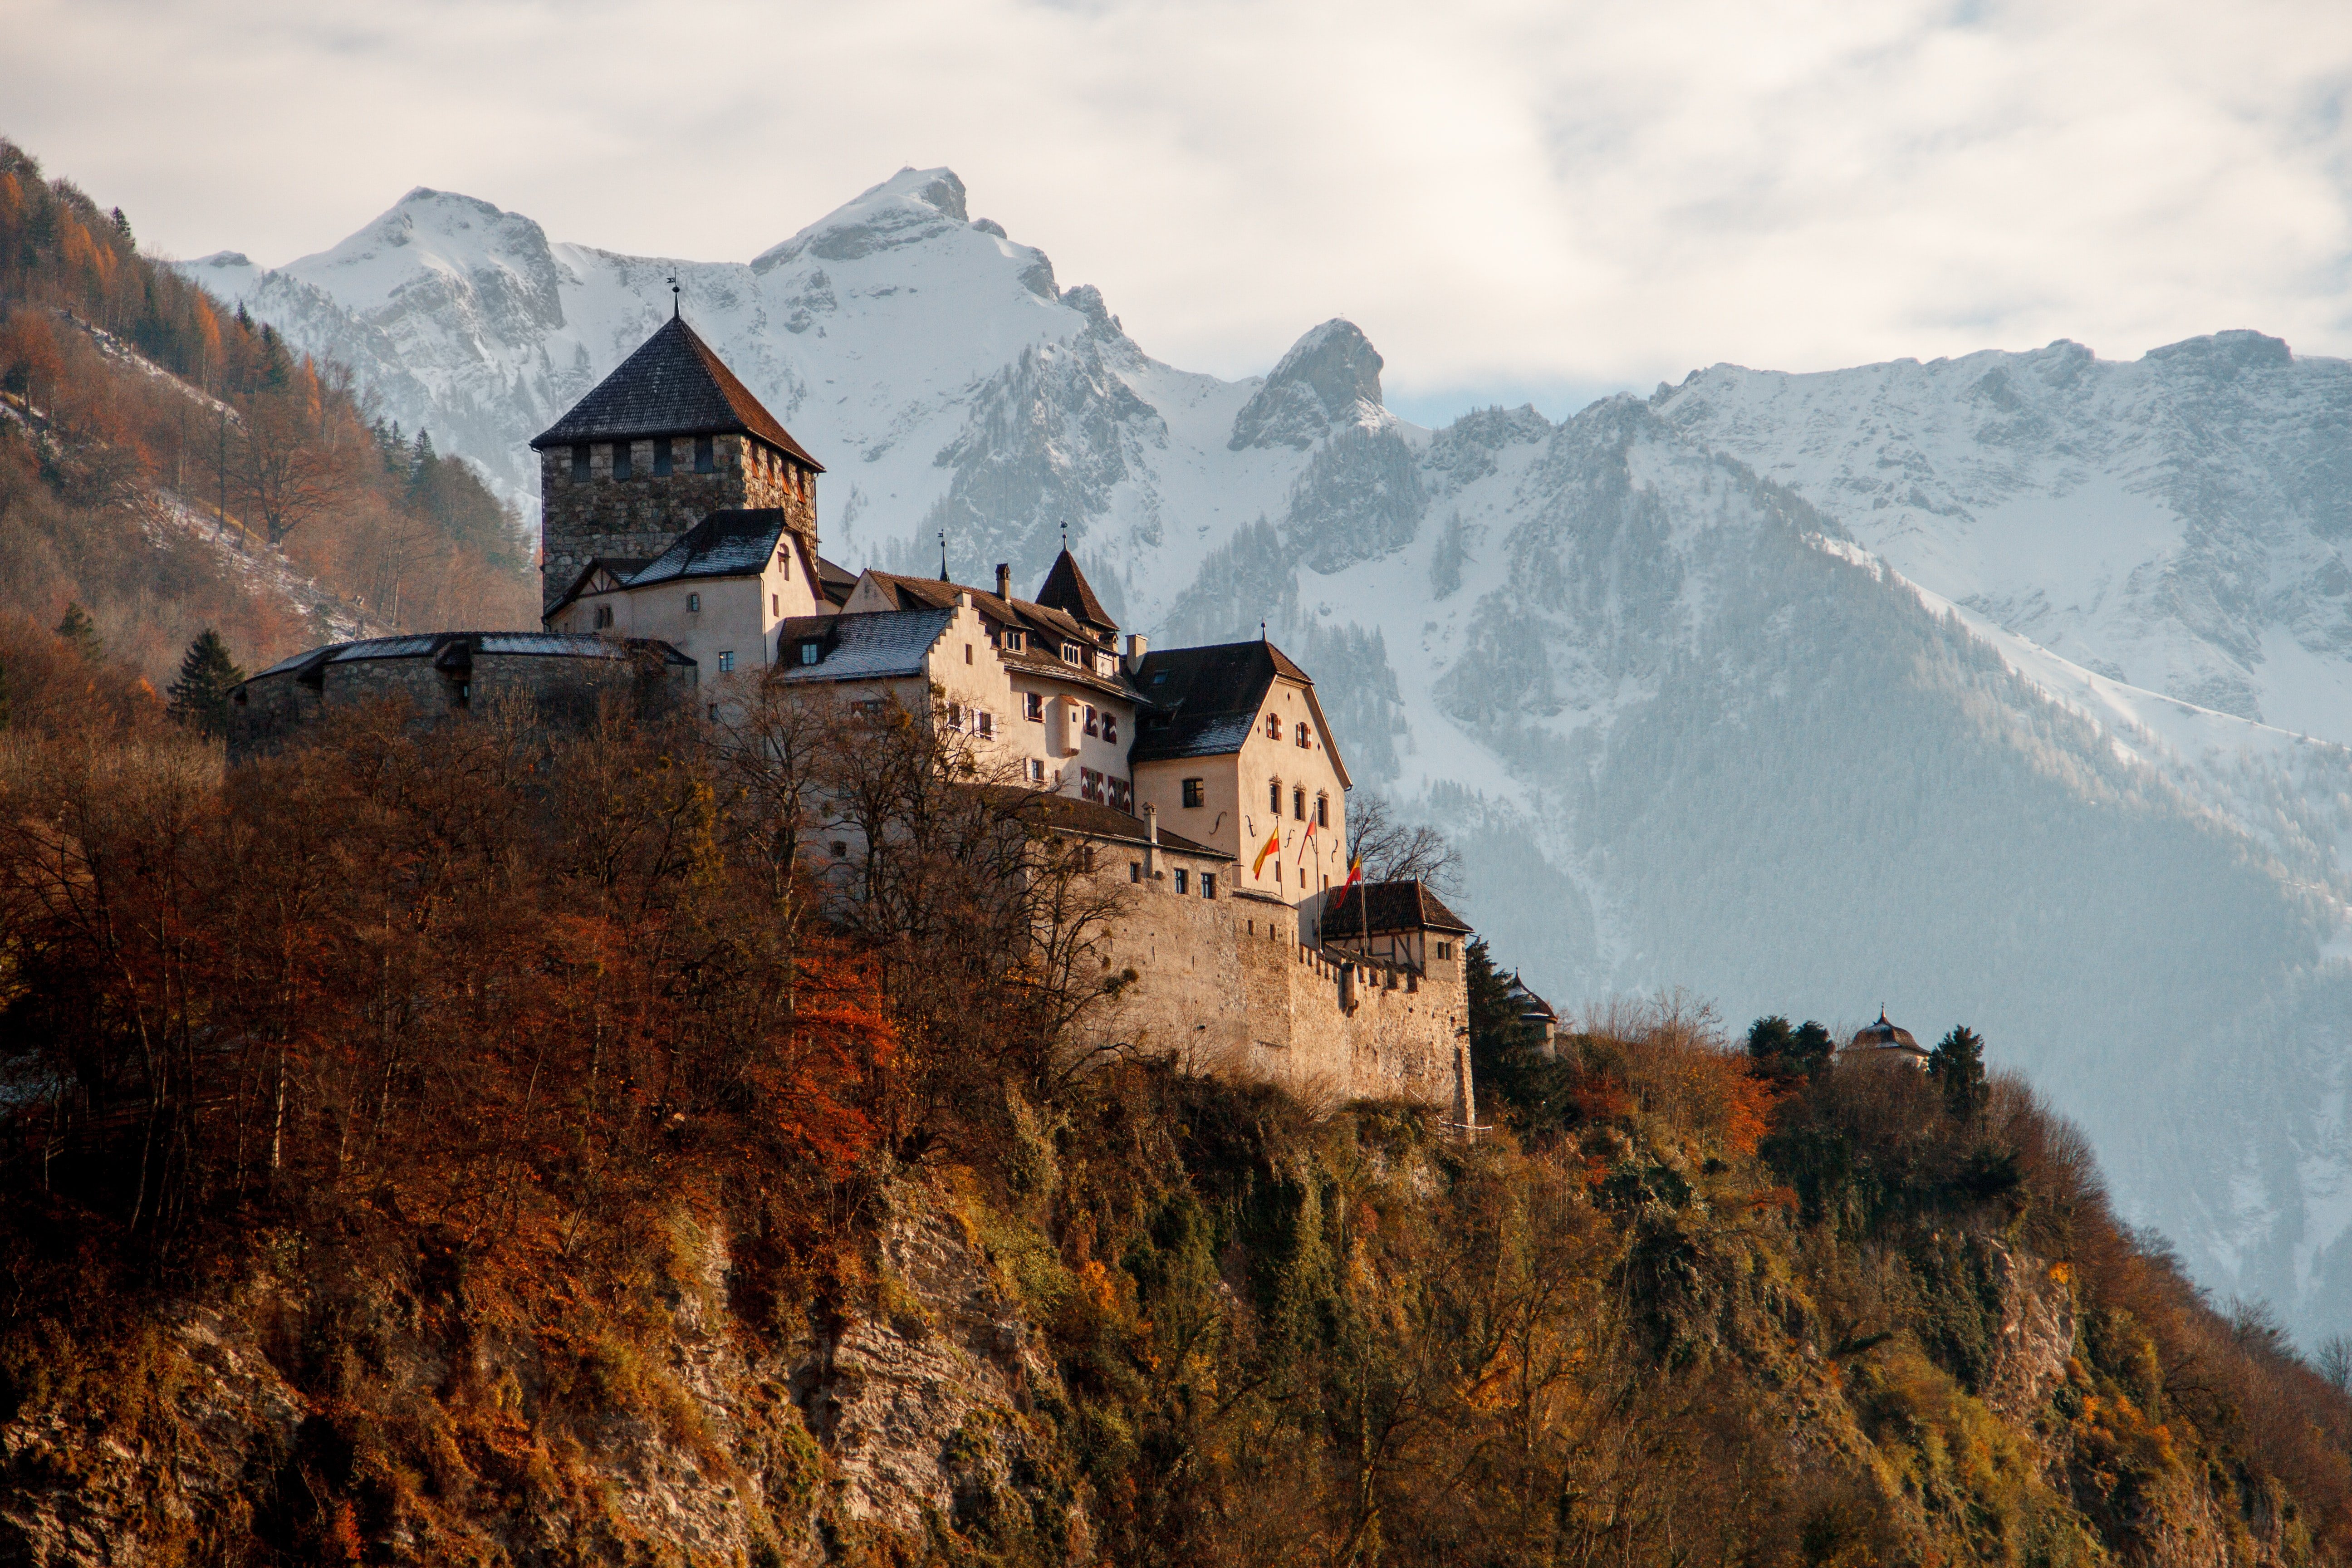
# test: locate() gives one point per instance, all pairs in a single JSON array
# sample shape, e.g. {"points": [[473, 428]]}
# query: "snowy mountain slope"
{"points": [[2007, 690]]}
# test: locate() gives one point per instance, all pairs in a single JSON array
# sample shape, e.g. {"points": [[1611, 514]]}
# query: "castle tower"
{"points": [[658, 446]]}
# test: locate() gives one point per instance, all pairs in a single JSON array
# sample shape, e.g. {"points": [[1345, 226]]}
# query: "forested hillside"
{"points": [[167, 466], [476, 1146]]}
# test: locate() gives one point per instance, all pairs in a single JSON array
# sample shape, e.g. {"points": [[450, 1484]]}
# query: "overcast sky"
{"points": [[1512, 199]]}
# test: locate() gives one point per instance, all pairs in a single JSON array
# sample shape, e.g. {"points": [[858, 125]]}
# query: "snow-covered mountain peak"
{"points": [[2225, 354], [1330, 377], [909, 207]]}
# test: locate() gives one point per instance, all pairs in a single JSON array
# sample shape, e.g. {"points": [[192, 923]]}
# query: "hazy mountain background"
{"points": [[2010, 689]]}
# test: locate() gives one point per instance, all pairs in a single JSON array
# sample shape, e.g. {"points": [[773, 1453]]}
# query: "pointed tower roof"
{"points": [[675, 384], [1066, 590]]}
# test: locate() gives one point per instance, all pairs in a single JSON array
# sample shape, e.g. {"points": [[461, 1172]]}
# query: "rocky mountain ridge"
{"points": [[2010, 690]]}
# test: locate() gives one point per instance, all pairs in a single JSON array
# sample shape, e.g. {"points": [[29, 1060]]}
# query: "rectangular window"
{"points": [[784, 564], [1180, 880], [661, 457], [1444, 950], [1194, 794], [580, 464], [1208, 884], [1032, 707], [1298, 804], [694, 604], [1014, 641], [809, 651], [1111, 726], [1303, 743], [726, 660], [840, 850], [1036, 771], [1273, 796], [1093, 726], [620, 459], [1090, 784], [706, 460], [1322, 811], [986, 726], [775, 604], [1134, 872], [1274, 726], [955, 715], [1071, 654], [1122, 795]]}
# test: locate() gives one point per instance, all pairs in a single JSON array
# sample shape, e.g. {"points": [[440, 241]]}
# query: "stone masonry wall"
{"points": [[561, 691], [641, 516], [1228, 987]]}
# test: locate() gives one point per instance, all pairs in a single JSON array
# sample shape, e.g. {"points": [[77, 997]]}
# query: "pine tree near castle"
{"points": [[1957, 1065], [200, 696]]}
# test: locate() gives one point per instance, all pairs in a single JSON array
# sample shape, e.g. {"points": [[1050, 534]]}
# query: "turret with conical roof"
{"points": [[666, 439], [1067, 590]]}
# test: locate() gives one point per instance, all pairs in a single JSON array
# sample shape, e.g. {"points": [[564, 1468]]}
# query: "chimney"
{"points": [[1150, 841], [1004, 581], [1137, 647]]}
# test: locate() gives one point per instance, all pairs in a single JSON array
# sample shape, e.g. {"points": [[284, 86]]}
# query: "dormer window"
{"points": [[810, 651], [580, 464], [706, 457], [1074, 655], [621, 460], [661, 457], [1015, 640]]}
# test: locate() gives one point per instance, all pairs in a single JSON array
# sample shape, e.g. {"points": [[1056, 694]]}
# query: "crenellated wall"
{"points": [[1231, 987], [642, 515]]}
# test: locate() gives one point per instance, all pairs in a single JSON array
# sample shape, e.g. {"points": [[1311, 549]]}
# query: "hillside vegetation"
{"points": [[473, 1146], [168, 466]]}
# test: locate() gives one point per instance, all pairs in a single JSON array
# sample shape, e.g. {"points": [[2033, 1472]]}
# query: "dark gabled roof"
{"points": [[1205, 700], [1066, 590], [455, 652], [1385, 907], [834, 581], [673, 385], [886, 645], [724, 544], [620, 567], [1068, 813]]}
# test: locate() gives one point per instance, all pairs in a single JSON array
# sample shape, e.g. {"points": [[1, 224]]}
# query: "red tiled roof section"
{"points": [[675, 384], [1388, 906]]}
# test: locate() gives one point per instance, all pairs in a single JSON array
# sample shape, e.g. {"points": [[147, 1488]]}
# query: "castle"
{"points": [[680, 545]]}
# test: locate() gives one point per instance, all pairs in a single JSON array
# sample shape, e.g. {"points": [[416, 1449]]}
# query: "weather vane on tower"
{"points": [[673, 297]]}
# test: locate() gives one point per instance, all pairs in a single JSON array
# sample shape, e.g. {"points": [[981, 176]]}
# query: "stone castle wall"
{"points": [[1230, 986], [270, 711], [642, 515]]}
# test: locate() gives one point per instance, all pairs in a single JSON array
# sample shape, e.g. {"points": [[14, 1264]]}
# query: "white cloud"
{"points": [[1502, 194]]}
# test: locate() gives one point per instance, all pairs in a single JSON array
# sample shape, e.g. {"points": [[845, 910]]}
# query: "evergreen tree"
{"points": [[1957, 1065], [122, 227], [1507, 1070], [81, 633], [1785, 1054], [200, 696]]}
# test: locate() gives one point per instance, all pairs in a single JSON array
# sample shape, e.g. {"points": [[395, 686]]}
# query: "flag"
{"points": [[1272, 846], [1355, 870]]}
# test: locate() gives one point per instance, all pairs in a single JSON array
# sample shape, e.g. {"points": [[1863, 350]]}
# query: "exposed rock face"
{"points": [[1330, 377], [2034, 1336], [707, 1442]]}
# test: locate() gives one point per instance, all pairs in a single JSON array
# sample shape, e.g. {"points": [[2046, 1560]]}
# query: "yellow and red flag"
{"points": [[1273, 847], [1355, 870]]}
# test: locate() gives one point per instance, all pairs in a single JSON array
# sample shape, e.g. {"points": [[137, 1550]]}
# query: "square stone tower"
{"points": [[663, 441]]}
